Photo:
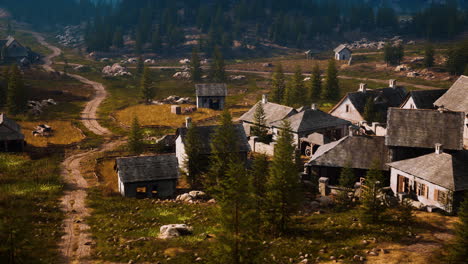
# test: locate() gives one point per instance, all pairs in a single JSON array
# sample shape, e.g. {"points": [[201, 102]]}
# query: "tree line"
{"points": [[13, 92]]}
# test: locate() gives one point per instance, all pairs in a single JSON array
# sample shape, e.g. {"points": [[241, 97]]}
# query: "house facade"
{"points": [[422, 99], [13, 51], [211, 95], [11, 137], [342, 53], [147, 176]]}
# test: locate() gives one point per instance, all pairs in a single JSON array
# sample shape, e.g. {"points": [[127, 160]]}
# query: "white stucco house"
{"points": [[422, 99]]}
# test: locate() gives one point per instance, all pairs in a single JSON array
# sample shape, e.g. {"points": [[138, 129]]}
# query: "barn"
{"points": [[211, 95]]}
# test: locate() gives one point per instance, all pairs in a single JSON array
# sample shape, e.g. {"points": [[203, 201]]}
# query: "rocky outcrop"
{"points": [[115, 70], [174, 230], [192, 197]]}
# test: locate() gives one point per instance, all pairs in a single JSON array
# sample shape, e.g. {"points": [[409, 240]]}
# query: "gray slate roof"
{"points": [[273, 112], [359, 151], [456, 98], [207, 132], [446, 170], [424, 99], [340, 48], [310, 120], [211, 89], [422, 128], [12, 126], [148, 168]]}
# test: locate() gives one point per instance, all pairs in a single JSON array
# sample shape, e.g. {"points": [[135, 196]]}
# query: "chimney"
{"points": [[188, 122], [439, 148], [362, 87], [392, 83], [313, 107], [441, 109], [264, 99]]}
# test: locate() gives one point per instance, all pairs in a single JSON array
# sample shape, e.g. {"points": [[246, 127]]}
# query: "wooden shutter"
{"points": [[436, 195], [400, 184], [427, 191]]}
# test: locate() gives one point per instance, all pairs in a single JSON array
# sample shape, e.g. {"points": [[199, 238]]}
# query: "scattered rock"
{"points": [[412, 74], [182, 75], [237, 77], [184, 61], [325, 201], [115, 70], [150, 61], [267, 65], [174, 230]]}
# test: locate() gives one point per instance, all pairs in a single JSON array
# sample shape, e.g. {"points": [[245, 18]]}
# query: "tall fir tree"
{"points": [[193, 158], [259, 176], [4, 87], [315, 84], [135, 139], [259, 129], [331, 90], [17, 97], [372, 205], [429, 56], [156, 43], [279, 84], [347, 176], [195, 66], [140, 65], [296, 91], [146, 86], [370, 114], [283, 189], [459, 249], [218, 71]]}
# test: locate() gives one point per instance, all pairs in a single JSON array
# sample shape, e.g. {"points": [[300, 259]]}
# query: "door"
{"points": [[214, 104], [154, 191]]}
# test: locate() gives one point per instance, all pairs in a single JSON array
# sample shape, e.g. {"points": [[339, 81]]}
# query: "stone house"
{"points": [[351, 107], [422, 99], [206, 133], [147, 176], [342, 53], [13, 51], [211, 95], [436, 180], [456, 99], [414, 132], [11, 138]]}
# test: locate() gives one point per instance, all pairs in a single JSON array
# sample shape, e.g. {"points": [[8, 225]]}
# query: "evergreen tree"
{"points": [[195, 66], [117, 39], [135, 139], [428, 56], [283, 189], [388, 54], [405, 212], [218, 72], [140, 65], [347, 176], [4, 87], [296, 90], [193, 158], [4, 53], [259, 175], [279, 84], [156, 44], [10, 31], [331, 90], [316, 84], [372, 205], [139, 42], [370, 114], [17, 97], [259, 129], [459, 249], [146, 86]]}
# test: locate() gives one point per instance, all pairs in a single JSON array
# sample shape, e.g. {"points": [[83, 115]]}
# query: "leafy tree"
{"points": [[331, 90], [17, 97], [283, 189], [315, 84], [218, 72], [193, 159], [428, 56], [279, 84], [370, 114], [347, 176], [459, 250], [135, 139], [195, 66], [146, 86], [259, 129]]}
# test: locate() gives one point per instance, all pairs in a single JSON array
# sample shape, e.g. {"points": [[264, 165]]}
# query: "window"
{"points": [[421, 190], [141, 189], [440, 196], [403, 184], [347, 108]]}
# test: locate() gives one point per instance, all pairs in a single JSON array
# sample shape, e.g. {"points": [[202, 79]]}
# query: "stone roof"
{"points": [[424, 99], [211, 89], [422, 128], [456, 98], [360, 152], [340, 48], [12, 126], [310, 120], [273, 112], [148, 168], [445, 170], [207, 132]]}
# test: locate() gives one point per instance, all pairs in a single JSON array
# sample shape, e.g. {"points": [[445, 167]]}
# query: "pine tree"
{"points": [[316, 84], [459, 249], [369, 110], [372, 205], [117, 39], [331, 90], [279, 84], [428, 56], [17, 96], [259, 129], [135, 139], [347, 176], [259, 175], [146, 86], [156, 44], [140, 65], [4, 87], [283, 189], [218, 72], [296, 89], [195, 66], [193, 159]]}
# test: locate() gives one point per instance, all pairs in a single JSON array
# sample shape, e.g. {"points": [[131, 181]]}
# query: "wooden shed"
{"points": [[11, 138]]}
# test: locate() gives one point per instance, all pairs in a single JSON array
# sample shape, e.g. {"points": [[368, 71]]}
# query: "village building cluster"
{"points": [[13, 51]]}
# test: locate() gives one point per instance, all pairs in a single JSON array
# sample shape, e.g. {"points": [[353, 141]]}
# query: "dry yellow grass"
{"points": [[160, 115], [288, 65], [107, 174], [64, 133]]}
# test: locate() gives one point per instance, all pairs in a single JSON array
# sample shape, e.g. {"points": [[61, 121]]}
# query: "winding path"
{"points": [[76, 242]]}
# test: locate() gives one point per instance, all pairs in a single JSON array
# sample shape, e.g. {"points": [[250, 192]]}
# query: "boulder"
{"points": [[184, 61], [174, 230], [115, 70], [412, 74], [150, 61], [267, 65], [197, 194], [401, 68], [181, 75], [325, 201]]}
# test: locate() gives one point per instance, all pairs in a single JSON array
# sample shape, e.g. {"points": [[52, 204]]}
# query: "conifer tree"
{"points": [[369, 110], [195, 66], [218, 72], [17, 96], [347, 176], [372, 205], [297, 93], [259, 129], [135, 139], [283, 189], [4, 87], [316, 84], [259, 176], [117, 39], [140, 66], [459, 249], [156, 43], [146, 87], [279, 84], [193, 159], [331, 90], [428, 56]]}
